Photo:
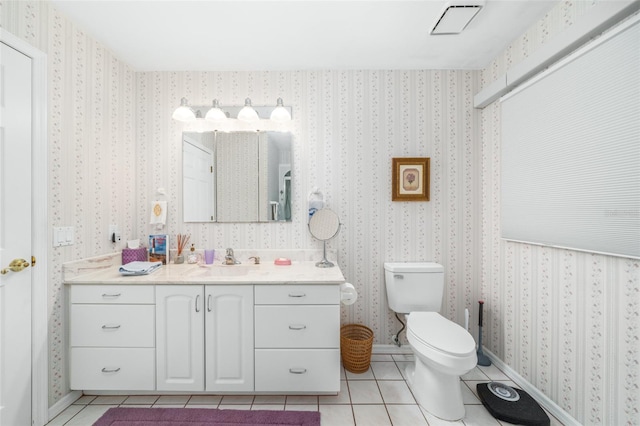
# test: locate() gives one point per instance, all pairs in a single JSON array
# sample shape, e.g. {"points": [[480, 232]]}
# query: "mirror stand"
{"points": [[324, 263], [324, 225]]}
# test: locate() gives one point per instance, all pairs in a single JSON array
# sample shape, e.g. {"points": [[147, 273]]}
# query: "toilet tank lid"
{"points": [[413, 267]]}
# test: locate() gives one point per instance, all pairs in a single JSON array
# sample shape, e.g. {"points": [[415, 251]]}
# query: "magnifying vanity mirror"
{"points": [[324, 225], [236, 177]]}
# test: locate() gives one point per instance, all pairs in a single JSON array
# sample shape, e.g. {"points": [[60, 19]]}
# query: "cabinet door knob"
{"points": [[297, 370], [297, 327]]}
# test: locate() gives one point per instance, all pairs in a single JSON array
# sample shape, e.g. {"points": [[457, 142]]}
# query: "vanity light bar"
{"points": [[232, 111]]}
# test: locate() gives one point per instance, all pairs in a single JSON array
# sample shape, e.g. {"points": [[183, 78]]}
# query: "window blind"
{"points": [[570, 164]]}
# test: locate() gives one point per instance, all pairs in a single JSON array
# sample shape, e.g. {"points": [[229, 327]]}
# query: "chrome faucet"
{"points": [[230, 258]]}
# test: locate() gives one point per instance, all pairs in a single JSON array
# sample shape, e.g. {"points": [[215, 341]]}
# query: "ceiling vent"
{"points": [[456, 16]]}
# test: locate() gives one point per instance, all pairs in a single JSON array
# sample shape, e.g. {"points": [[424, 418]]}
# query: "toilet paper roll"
{"points": [[348, 294]]}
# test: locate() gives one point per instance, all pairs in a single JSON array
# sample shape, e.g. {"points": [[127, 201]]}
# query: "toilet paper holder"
{"points": [[348, 294]]}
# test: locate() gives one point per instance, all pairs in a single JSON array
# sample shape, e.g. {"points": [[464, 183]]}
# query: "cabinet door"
{"points": [[180, 337], [229, 337]]}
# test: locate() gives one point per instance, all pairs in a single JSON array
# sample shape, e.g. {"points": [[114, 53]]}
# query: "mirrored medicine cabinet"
{"points": [[236, 176]]}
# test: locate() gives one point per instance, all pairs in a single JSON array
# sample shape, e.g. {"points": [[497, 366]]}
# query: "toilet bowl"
{"points": [[443, 352]]}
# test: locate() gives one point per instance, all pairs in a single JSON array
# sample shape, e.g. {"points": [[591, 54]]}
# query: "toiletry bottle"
{"points": [[193, 257]]}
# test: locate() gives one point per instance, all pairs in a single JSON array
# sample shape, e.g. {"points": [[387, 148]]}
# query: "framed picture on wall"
{"points": [[410, 179]]}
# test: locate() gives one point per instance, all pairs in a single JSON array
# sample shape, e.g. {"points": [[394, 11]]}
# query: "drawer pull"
{"points": [[297, 327], [297, 370], [110, 327], [297, 295], [110, 370], [111, 295]]}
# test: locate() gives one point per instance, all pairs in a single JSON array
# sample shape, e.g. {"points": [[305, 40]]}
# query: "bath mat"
{"points": [[205, 417]]}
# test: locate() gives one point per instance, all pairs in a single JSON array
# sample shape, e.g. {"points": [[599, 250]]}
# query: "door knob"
{"points": [[16, 265]]}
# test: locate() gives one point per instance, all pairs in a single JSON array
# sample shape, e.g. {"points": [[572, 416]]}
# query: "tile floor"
{"points": [[375, 398]]}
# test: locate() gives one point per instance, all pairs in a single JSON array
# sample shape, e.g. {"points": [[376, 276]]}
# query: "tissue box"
{"points": [[132, 255]]}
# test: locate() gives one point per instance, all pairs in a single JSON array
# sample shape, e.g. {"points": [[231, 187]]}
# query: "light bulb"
{"points": [[184, 112], [280, 114], [248, 114], [215, 113]]}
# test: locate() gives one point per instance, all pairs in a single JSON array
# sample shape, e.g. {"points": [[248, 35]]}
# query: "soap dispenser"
{"points": [[193, 257]]}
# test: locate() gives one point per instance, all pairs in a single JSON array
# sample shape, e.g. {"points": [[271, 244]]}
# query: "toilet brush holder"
{"points": [[483, 360]]}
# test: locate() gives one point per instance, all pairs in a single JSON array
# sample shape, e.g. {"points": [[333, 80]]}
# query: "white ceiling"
{"points": [[240, 35]]}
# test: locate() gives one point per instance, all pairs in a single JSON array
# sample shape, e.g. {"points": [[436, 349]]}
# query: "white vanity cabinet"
{"points": [[297, 338], [204, 337], [112, 337], [263, 329]]}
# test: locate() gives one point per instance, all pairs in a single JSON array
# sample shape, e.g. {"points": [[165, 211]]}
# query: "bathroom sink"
{"points": [[227, 270]]}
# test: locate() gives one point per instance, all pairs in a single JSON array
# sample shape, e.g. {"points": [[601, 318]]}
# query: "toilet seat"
{"points": [[440, 334]]}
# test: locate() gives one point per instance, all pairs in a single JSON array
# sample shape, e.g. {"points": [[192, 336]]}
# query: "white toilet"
{"points": [[443, 350]]}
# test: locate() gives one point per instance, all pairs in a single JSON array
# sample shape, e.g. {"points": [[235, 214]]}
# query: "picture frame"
{"points": [[410, 179]]}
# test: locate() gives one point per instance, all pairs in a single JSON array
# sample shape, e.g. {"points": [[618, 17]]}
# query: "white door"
{"points": [[180, 337], [15, 237], [229, 337]]}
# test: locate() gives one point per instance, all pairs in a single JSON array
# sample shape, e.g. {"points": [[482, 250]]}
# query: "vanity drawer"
{"points": [[278, 326], [297, 295], [113, 325], [303, 370], [109, 294], [113, 369]]}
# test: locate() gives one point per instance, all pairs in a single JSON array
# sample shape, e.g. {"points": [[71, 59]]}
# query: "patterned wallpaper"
{"points": [[348, 125], [566, 321]]}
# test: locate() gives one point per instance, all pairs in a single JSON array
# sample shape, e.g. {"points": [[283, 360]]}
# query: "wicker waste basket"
{"points": [[355, 347]]}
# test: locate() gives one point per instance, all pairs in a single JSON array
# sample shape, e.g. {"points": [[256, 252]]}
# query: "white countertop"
{"points": [[299, 272]]}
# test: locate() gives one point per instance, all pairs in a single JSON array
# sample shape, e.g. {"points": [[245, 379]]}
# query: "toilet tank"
{"points": [[414, 286]]}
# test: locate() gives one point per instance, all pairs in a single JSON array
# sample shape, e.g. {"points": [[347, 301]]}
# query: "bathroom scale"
{"points": [[511, 405]]}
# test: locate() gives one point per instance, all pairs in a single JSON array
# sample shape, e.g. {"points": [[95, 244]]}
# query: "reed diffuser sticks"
{"points": [[183, 240]]}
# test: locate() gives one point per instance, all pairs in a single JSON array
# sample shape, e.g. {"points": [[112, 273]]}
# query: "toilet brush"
{"points": [[482, 358]]}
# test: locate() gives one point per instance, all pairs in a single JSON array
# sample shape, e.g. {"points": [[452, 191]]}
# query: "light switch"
{"points": [[63, 236], [69, 235]]}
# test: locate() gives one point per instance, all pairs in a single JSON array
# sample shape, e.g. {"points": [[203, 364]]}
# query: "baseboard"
{"points": [[554, 409], [391, 350], [63, 404]]}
